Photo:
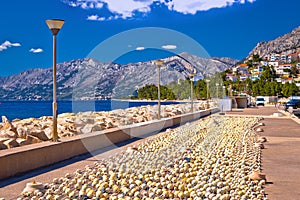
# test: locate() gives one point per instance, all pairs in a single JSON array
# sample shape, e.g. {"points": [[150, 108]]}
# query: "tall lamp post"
{"points": [[207, 88], [192, 92], [217, 84], [158, 63], [223, 91], [54, 25]]}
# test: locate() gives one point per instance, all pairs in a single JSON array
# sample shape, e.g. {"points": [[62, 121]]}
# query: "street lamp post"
{"points": [[54, 25], [207, 88], [158, 63], [217, 84], [207, 94], [223, 91], [192, 92]]}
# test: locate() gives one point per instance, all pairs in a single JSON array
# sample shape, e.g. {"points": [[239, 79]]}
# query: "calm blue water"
{"points": [[27, 109]]}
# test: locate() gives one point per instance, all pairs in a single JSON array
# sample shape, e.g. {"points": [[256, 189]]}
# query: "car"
{"points": [[260, 101], [294, 103]]}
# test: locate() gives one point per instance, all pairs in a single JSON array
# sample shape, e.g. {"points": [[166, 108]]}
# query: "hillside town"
{"points": [[285, 66]]}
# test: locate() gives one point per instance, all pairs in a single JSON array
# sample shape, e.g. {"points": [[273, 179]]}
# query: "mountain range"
{"points": [[91, 79]]}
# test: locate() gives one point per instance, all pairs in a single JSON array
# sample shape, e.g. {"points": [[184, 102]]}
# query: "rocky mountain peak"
{"points": [[286, 44]]}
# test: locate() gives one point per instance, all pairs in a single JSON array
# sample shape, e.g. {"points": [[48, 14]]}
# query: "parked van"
{"points": [[260, 101]]}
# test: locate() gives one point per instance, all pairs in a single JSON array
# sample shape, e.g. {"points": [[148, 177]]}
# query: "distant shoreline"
{"points": [[128, 100], [148, 100], [28, 109]]}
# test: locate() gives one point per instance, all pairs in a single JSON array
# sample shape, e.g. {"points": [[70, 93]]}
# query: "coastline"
{"points": [[149, 100], [27, 131], [35, 109]]}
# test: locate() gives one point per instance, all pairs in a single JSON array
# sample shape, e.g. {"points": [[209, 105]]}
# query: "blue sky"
{"points": [[224, 28]]}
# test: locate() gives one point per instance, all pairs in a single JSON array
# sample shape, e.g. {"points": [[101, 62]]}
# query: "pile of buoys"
{"points": [[212, 158]]}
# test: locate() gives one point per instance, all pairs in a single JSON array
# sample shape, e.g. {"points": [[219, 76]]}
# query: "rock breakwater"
{"points": [[34, 130]]}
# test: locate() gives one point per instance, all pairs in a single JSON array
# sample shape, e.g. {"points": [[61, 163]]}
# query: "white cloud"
{"points": [[126, 8], [8, 44], [169, 46], [140, 48], [92, 17], [95, 18], [192, 6], [38, 50], [98, 5], [85, 4]]}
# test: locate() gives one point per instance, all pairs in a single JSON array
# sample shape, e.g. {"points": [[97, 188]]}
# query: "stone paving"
{"points": [[281, 156]]}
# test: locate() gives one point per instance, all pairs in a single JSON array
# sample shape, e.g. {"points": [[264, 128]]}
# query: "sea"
{"points": [[27, 109]]}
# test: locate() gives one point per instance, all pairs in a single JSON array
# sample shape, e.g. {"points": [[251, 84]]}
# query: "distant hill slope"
{"points": [[288, 43], [88, 78]]}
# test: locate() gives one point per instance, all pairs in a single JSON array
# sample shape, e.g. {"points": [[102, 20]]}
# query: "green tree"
{"points": [[167, 93], [290, 89], [255, 88], [181, 88], [223, 76], [216, 85], [256, 58], [294, 71], [268, 74], [201, 89], [150, 92], [267, 89]]}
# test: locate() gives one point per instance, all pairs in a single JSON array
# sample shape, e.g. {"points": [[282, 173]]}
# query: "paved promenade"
{"points": [[281, 156], [280, 159]]}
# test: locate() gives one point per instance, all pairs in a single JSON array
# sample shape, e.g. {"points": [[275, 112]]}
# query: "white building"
{"points": [[275, 57], [273, 63], [283, 69], [283, 58]]}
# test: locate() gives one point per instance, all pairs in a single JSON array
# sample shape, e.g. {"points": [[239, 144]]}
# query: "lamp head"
{"points": [[158, 63], [55, 25], [192, 75]]}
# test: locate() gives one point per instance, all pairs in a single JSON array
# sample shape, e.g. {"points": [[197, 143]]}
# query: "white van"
{"points": [[260, 101]]}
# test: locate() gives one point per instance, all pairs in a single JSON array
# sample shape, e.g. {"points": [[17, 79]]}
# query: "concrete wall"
{"points": [[225, 105], [22, 159]]}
